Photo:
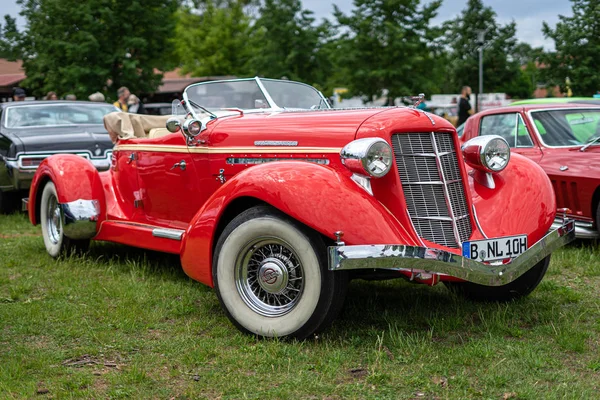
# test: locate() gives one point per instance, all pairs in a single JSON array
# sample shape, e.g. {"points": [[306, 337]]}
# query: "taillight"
{"points": [[31, 162]]}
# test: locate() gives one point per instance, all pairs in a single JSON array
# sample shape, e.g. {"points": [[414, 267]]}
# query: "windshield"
{"points": [[288, 94], [35, 115], [255, 94], [572, 127]]}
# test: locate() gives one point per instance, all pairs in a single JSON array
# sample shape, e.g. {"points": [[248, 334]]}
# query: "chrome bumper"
{"points": [[434, 261], [583, 230]]}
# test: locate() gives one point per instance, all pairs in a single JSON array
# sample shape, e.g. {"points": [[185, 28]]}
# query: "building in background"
{"points": [[11, 75]]}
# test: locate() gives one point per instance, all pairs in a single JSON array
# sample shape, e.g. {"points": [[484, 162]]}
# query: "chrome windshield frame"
{"points": [[273, 106]]}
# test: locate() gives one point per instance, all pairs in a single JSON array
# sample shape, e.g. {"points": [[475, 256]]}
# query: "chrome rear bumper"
{"points": [[583, 230], [420, 259]]}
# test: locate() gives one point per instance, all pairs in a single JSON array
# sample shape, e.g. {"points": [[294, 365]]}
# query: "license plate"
{"points": [[495, 249]]}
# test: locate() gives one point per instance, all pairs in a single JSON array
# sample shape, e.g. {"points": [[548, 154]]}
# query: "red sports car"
{"points": [[564, 139], [276, 201]]}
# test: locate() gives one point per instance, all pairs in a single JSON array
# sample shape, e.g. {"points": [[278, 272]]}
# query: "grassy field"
{"points": [[127, 323]]}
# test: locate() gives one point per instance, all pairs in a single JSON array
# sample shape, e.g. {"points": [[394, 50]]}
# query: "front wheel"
{"points": [[52, 226], [520, 287], [271, 276]]}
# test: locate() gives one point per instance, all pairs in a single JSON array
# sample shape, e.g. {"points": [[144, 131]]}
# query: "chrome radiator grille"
{"points": [[433, 186]]}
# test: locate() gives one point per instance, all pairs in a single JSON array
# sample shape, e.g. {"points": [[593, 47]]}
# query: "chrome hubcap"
{"points": [[53, 220], [269, 276]]}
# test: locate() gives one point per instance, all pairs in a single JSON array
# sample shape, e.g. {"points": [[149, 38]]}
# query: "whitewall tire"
{"points": [[271, 276], [52, 225]]}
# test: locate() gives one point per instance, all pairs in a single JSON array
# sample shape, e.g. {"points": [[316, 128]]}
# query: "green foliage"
{"points": [[73, 46], [385, 45], [289, 44], [9, 39], [212, 38], [577, 43], [501, 71]]}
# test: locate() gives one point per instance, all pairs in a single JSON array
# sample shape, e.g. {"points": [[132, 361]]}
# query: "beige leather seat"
{"points": [[157, 133]]}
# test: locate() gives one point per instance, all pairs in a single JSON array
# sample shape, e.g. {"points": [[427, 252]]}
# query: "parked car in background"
{"points": [[559, 100], [30, 131], [276, 201], [158, 108], [564, 139]]}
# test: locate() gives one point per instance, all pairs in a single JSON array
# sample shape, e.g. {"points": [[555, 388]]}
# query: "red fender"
{"points": [[523, 201], [83, 182], [318, 196]]}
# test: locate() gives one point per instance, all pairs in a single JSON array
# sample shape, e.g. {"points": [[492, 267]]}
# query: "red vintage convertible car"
{"points": [[276, 201], [564, 139]]}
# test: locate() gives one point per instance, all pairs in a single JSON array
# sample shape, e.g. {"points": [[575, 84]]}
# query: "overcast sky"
{"points": [[528, 14]]}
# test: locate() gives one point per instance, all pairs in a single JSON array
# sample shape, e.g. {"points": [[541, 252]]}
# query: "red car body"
{"points": [[181, 194], [575, 174]]}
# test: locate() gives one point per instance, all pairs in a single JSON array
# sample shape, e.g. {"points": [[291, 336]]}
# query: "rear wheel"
{"points": [[271, 276], [520, 287], [52, 226]]}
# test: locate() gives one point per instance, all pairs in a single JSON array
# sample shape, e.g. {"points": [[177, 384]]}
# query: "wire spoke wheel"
{"points": [[269, 276]]}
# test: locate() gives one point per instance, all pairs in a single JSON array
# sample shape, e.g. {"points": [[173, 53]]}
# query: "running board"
{"points": [[174, 234]]}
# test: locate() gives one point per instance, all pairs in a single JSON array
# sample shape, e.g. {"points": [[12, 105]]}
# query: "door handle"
{"points": [[181, 164]]}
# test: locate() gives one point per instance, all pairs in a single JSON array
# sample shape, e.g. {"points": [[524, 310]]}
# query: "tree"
{"points": [[577, 44], [289, 44], [212, 38], [385, 47], [501, 70], [9, 38], [73, 46]]}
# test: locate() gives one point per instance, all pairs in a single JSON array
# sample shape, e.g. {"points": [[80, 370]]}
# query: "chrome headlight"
{"points": [[487, 153], [369, 156]]}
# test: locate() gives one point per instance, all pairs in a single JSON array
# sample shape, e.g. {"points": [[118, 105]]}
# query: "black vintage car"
{"points": [[33, 130]]}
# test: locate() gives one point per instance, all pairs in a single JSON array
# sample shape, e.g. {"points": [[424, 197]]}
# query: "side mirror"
{"points": [[173, 124]]}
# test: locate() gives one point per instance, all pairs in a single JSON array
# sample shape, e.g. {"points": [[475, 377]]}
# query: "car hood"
{"points": [[71, 138], [330, 128]]}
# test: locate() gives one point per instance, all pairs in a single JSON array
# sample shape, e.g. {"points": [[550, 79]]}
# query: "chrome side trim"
{"points": [[434, 261], [479, 226], [583, 230], [79, 218], [166, 233]]}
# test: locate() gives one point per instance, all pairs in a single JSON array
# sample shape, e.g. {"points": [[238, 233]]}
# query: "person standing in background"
{"points": [[464, 107], [51, 96], [99, 97], [134, 105], [123, 94], [19, 94]]}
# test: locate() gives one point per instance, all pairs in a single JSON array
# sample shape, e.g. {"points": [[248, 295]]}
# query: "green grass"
{"points": [[126, 323]]}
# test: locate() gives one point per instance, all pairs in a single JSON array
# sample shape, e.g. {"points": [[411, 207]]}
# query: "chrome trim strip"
{"points": [[167, 233], [477, 222], [80, 218], [255, 161], [276, 143], [583, 230], [414, 259]]}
